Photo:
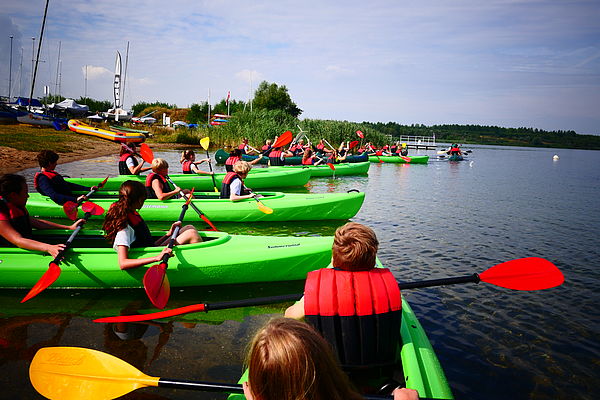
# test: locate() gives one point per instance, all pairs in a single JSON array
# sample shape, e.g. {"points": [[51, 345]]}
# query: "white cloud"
{"points": [[249, 76], [94, 72]]}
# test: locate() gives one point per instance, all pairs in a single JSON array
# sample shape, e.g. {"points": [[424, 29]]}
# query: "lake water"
{"points": [[438, 220]]}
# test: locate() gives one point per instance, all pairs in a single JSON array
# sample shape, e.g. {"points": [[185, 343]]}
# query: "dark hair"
{"points": [[45, 157], [11, 183], [130, 193], [236, 153]]}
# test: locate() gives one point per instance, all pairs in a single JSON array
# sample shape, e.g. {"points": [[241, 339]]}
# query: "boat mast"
{"points": [[10, 69], [56, 86], [38, 53], [125, 74]]}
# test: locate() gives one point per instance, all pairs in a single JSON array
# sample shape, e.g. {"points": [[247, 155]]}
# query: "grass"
{"points": [[31, 138]]}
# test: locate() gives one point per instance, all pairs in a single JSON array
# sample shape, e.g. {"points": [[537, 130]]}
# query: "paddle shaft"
{"points": [[212, 175], [61, 253], [328, 144], [198, 211]]}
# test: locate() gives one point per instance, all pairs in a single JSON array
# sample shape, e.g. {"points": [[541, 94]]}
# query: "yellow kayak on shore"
{"points": [[85, 129]]}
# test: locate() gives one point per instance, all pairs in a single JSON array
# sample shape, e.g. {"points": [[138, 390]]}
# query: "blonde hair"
{"points": [[159, 163], [241, 167], [354, 247], [288, 359]]}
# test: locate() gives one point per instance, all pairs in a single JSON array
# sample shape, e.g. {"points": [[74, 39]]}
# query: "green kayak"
{"points": [[416, 360], [286, 207], [343, 169], [400, 160], [259, 178], [219, 260], [221, 155]]}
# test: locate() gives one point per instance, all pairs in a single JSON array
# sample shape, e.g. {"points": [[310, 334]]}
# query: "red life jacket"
{"points": [[186, 167], [265, 147], [320, 146], [123, 168], [18, 218], [226, 185], [143, 237], [150, 190], [379, 153], [275, 158], [50, 174], [307, 161], [230, 162], [359, 313]]}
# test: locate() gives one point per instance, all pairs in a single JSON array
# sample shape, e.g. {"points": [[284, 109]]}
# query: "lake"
{"points": [[438, 220]]}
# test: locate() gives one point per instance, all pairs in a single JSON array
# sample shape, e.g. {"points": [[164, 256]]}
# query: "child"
{"points": [[288, 359], [15, 222], [233, 187], [235, 156], [189, 164], [157, 186], [128, 164], [125, 228]]}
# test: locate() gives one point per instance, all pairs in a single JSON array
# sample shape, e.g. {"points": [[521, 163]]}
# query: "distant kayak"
{"points": [[221, 156], [400, 159], [342, 169], [455, 157]]}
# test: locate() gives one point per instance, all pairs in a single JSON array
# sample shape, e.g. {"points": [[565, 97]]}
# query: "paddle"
{"points": [[204, 142], [70, 207], [531, 273], [407, 159], [73, 373], [155, 279], [283, 140], [53, 271], [198, 211], [146, 153], [262, 207]]}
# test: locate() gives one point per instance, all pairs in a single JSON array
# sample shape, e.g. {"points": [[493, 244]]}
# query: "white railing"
{"points": [[418, 141]]}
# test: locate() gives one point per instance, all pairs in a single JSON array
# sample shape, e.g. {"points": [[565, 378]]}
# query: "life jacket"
{"points": [[358, 313], [186, 167], [123, 168], [275, 158], [320, 147], [52, 175], [379, 153], [394, 149], [455, 150], [18, 218], [143, 237], [150, 191], [243, 147], [265, 147], [230, 162], [226, 185], [404, 151], [307, 161]]}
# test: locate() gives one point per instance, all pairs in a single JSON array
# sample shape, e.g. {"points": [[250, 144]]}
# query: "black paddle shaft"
{"points": [[474, 278], [166, 256], [61, 253]]}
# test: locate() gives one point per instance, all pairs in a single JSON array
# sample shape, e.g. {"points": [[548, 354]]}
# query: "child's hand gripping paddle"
{"points": [[53, 271], [155, 279], [70, 207], [205, 142]]}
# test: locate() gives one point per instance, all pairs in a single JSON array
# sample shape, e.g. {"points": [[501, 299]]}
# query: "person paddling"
{"points": [[233, 187], [277, 156], [128, 163], [189, 165], [235, 156], [50, 183], [308, 158], [157, 186], [16, 225], [124, 228]]}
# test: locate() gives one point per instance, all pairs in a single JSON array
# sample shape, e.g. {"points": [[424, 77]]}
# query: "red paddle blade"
{"points": [[101, 184], [407, 159], [146, 153], [70, 209], [284, 139], [49, 277], [92, 208], [214, 228], [360, 134], [148, 317], [157, 285], [530, 273], [331, 166], [353, 144]]}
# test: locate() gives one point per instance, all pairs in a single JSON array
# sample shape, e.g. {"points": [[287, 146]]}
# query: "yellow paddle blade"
{"points": [[76, 373], [264, 208], [204, 142]]}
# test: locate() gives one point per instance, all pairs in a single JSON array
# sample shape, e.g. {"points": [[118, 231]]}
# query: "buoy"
{"points": [[555, 158]]}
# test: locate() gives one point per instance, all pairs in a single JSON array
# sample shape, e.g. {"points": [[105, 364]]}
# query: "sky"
{"points": [[508, 63]]}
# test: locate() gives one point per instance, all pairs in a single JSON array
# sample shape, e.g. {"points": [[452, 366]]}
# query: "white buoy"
{"points": [[471, 164], [555, 158]]}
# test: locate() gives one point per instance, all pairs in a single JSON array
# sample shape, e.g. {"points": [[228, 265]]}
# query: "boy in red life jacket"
{"points": [[277, 156], [128, 164], [50, 183], [16, 225], [233, 187], [354, 305], [157, 185], [235, 156]]}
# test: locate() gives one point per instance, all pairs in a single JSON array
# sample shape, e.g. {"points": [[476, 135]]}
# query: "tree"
{"points": [[273, 97]]}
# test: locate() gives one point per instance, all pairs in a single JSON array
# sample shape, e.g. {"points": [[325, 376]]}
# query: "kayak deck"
{"points": [[400, 160]]}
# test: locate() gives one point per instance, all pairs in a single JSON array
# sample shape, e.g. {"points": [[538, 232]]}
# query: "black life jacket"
{"points": [[52, 175], [150, 191], [230, 162], [18, 218], [358, 313], [404, 151], [226, 185], [123, 168], [275, 158], [143, 238], [393, 149], [186, 167]]}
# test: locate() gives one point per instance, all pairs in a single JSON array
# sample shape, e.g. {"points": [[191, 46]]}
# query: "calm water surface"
{"points": [[438, 220]]}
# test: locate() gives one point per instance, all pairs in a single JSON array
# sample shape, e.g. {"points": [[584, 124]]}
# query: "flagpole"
{"points": [[208, 102], [228, 94]]}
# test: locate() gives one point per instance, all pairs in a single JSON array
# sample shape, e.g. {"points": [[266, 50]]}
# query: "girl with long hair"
{"points": [[189, 165]]}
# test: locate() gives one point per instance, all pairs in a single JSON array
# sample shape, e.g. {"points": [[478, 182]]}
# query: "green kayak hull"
{"points": [[286, 207], [343, 169], [219, 260], [259, 178], [222, 155], [416, 358], [400, 160]]}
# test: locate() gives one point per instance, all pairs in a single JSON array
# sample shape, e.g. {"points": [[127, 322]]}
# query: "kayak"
{"points": [[221, 156], [416, 359], [117, 128], [343, 169], [220, 259], [258, 178], [286, 207], [400, 160], [85, 129], [455, 157]]}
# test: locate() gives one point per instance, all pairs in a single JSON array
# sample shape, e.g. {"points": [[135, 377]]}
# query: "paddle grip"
{"points": [[252, 302], [474, 278]]}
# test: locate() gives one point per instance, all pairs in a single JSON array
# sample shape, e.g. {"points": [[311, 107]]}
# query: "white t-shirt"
{"points": [[124, 238], [236, 187], [129, 162]]}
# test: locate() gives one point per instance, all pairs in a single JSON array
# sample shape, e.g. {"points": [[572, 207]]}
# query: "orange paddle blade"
{"points": [[157, 285], [70, 209], [92, 208], [283, 140], [331, 166], [360, 134], [49, 277], [157, 315], [146, 153]]}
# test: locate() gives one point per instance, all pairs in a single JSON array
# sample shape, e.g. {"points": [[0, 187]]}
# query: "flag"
{"points": [[228, 96], [360, 134]]}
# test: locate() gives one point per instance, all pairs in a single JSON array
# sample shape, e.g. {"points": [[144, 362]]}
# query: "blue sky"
{"points": [[496, 62]]}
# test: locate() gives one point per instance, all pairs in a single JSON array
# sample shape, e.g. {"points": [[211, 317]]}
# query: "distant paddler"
{"points": [[235, 156], [189, 165], [128, 163]]}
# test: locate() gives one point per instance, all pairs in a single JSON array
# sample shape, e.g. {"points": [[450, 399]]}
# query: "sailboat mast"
{"points": [[125, 74], [56, 89], [38, 53]]}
